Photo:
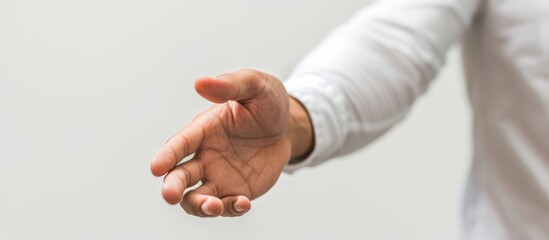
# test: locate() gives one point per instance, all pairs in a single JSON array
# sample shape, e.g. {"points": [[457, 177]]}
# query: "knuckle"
{"points": [[173, 153], [185, 144], [182, 175]]}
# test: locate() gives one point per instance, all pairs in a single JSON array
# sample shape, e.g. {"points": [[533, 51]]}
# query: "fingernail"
{"points": [[205, 208], [236, 207]]}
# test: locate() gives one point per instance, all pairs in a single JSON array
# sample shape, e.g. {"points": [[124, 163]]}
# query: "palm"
{"points": [[240, 146], [240, 154]]}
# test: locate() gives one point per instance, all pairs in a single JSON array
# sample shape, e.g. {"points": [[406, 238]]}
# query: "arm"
{"points": [[363, 78], [358, 83]]}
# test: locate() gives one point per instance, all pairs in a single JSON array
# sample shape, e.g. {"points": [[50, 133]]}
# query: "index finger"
{"points": [[182, 144]]}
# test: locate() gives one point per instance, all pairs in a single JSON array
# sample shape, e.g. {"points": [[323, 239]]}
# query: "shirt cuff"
{"points": [[320, 99]]}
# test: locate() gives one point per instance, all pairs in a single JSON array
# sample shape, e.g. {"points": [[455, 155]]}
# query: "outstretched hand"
{"points": [[240, 145]]}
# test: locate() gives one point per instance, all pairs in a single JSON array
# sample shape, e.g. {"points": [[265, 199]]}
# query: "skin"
{"points": [[240, 145]]}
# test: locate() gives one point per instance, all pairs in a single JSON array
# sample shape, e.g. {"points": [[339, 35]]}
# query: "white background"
{"points": [[89, 90]]}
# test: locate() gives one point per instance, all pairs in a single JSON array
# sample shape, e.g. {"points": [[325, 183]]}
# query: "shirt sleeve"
{"points": [[364, 76]]}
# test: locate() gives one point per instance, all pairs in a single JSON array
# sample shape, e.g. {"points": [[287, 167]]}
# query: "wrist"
{"points": [[300, 130]]}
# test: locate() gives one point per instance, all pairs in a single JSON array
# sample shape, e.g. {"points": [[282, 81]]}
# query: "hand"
{"points": [[240, 145]]}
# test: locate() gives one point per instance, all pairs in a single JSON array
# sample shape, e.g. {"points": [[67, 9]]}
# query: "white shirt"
{"points": [[363, 78]]}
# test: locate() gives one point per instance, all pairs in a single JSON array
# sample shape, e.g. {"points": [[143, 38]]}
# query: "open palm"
{"points": [[240, 146]]}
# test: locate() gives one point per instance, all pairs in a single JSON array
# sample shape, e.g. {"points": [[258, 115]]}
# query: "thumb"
{"points": [[239, 86]]}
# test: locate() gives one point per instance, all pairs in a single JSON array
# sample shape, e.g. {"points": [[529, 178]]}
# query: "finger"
{"points": [[182, 144], [202, 202], [181, 177], [238, 86], [235, 206]]}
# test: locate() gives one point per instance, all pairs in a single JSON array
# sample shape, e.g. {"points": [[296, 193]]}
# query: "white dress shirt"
{"points": [[363, 78]]}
